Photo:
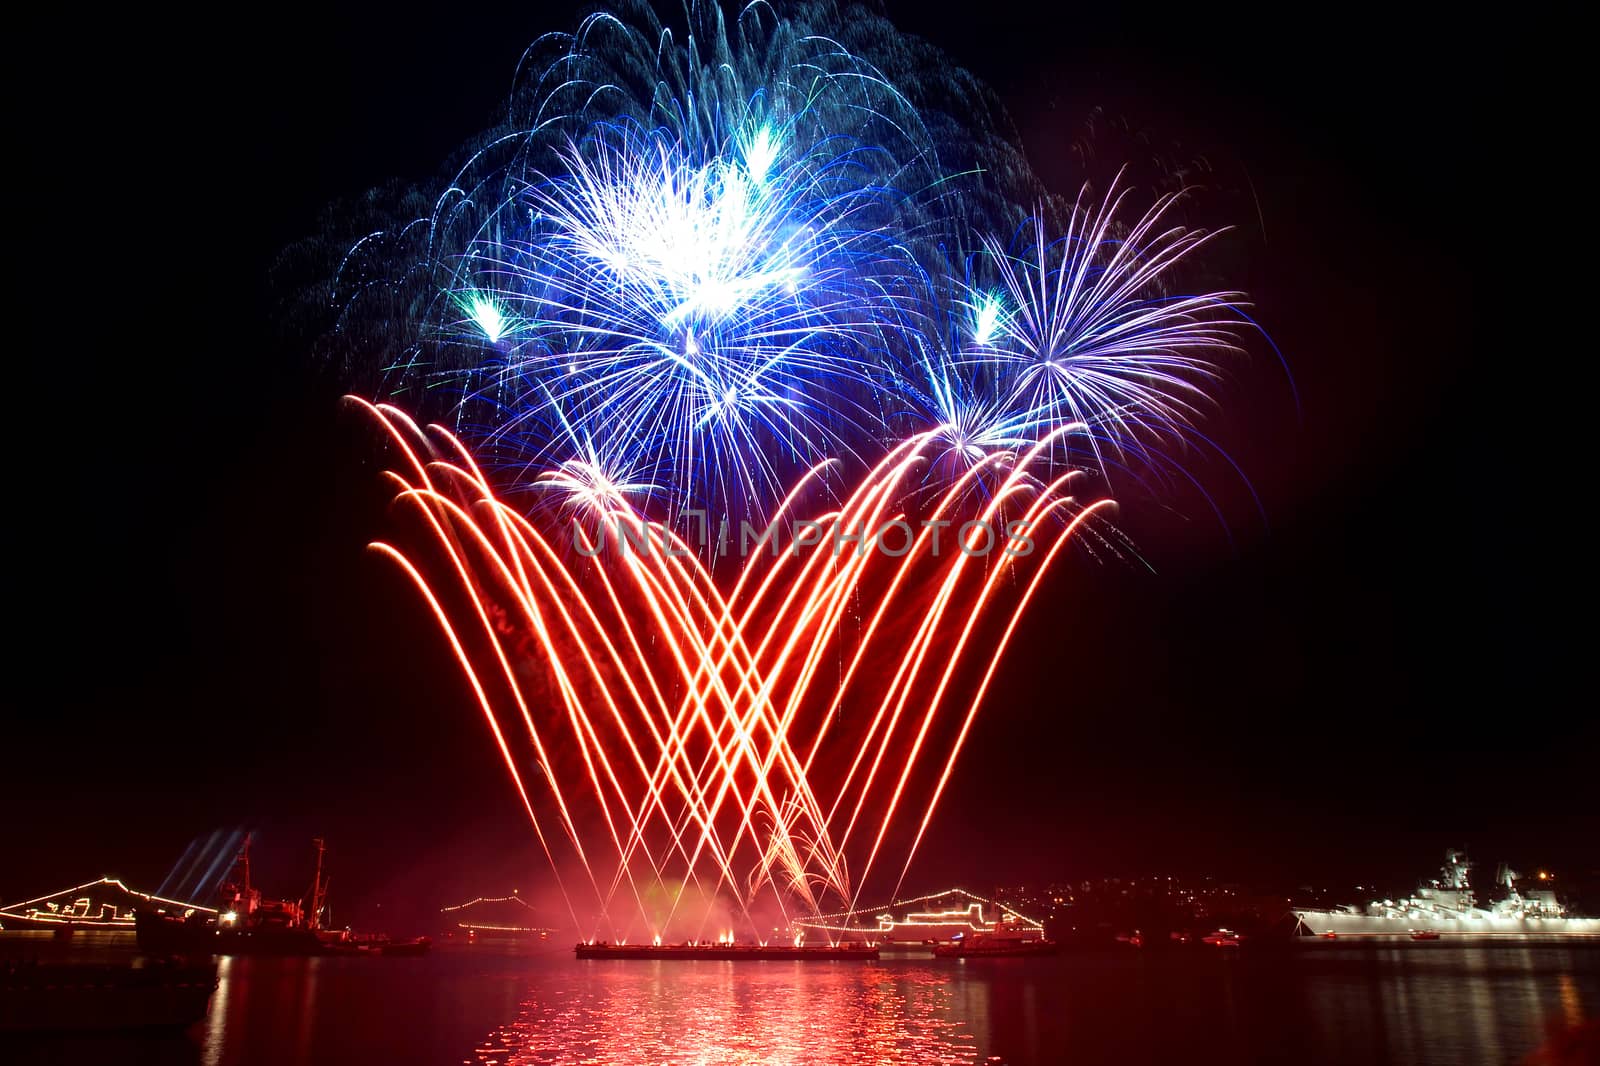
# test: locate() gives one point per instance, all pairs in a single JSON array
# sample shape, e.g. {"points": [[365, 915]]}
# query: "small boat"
{"points": [[1424, 934], [1005, 940], [981, 947], [1221, 938]]}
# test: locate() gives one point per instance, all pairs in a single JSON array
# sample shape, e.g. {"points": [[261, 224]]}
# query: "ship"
{"points": [[102, 905], [496, 918], [1007, 939], [246, 923], [1448, 908], [922, 921]]}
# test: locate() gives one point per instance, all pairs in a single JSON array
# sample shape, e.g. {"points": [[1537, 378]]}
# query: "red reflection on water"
{"points": [[637, 1013]]}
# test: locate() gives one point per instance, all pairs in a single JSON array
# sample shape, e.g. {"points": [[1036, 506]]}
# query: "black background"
{"points": [[1337, 692]]}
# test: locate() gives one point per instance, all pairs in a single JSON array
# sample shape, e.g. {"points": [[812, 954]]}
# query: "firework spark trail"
{"points": [[732, 628], [840, 587], [747, 670], [989, 672], [428, 500], [790, 623], [586, 731], [1090, 336], [524, 542], [819, 601], [677, 747], [583, 729], [597, 763], [913, 657], [698, 703]]}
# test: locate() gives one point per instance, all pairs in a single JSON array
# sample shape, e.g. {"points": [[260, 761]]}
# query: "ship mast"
{"points": [[319, 891], [243, 862]]}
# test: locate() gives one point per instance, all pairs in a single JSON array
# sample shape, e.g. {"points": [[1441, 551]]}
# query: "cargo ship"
{"points": [[246, 923], [1447, 908]]}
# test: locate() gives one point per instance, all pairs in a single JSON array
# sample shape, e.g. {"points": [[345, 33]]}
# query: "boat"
{"points": [[1221, 938], [245, 923], [496, 918], [916, 923], [104, 905], [151, 994], [1008, 939], [725, 951], [1447, 908]]}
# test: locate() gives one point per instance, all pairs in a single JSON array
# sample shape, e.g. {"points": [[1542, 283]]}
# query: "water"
{"points": [[500, 1005]]}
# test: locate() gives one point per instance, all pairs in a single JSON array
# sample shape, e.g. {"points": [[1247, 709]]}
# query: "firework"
{"points": [[723, 274], [677, 733], [707, 262]]}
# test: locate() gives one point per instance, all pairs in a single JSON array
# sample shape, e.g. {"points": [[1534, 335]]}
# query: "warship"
{"points": [[1447, 908]]}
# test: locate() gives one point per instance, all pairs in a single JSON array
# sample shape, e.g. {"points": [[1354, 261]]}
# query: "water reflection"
{"points": [[1403, 1006], [744, 1013], [494, 1005], [1462, 1005]]}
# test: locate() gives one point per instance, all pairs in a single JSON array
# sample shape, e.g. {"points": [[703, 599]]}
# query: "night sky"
{"points": [[1340, 690]]}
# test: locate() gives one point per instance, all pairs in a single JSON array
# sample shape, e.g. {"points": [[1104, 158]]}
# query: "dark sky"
{"points": [[1341, 691]]}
